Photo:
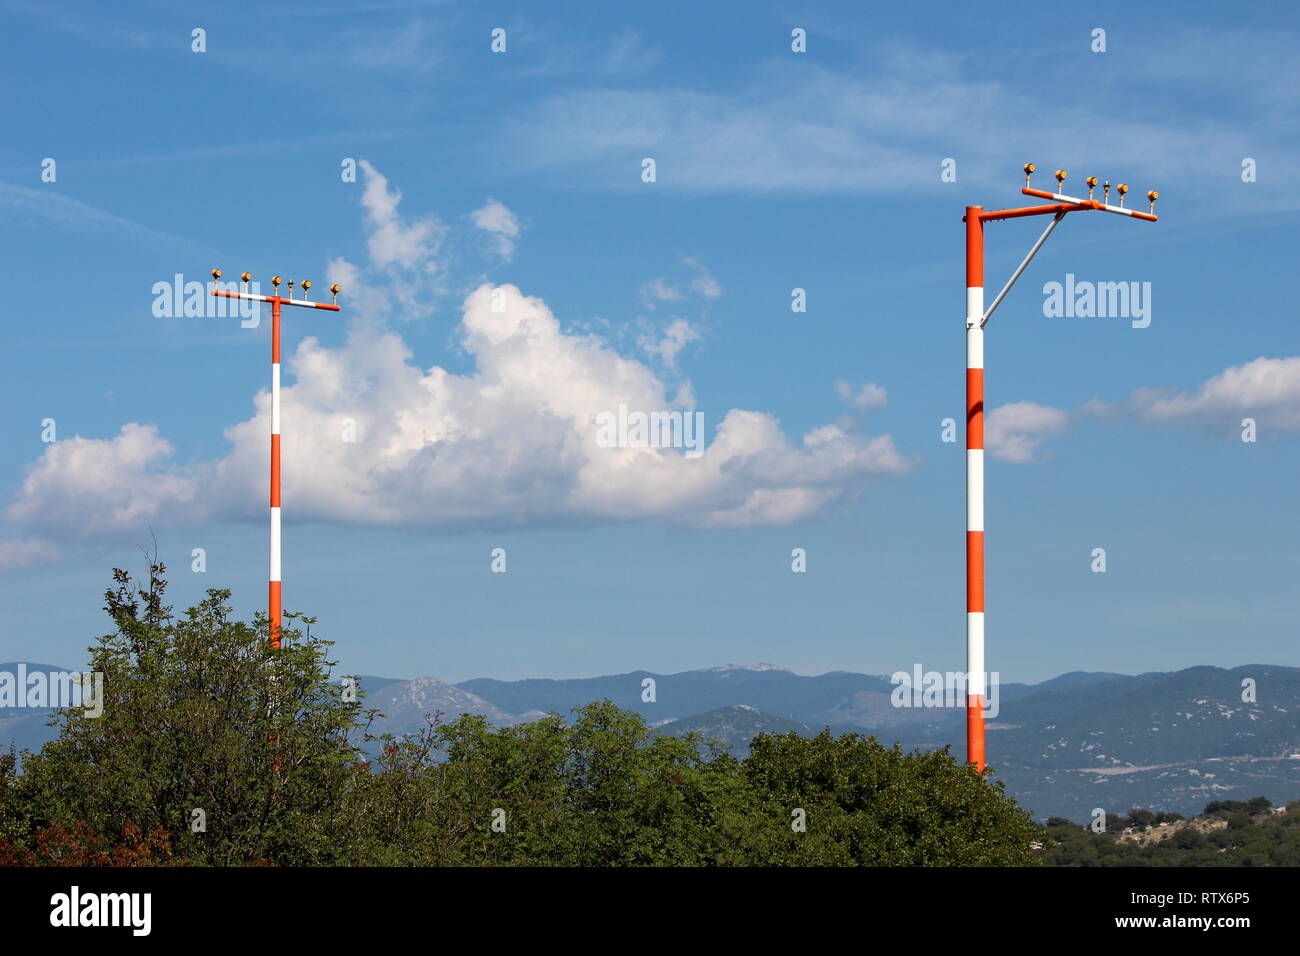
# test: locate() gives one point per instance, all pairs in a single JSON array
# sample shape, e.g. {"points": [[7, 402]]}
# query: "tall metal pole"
{"points": [[975, 487], [975, 318], [275, 605]]}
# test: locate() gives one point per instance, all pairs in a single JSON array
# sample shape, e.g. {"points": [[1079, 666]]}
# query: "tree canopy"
{"points": [[213, 749]]}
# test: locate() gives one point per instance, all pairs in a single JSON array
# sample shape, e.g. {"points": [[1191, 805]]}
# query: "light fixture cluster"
{"points": [[1091, 182], [247, 277]]}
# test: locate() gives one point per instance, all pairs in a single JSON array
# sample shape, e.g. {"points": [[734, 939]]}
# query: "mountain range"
{"points": [[1083, 740]]}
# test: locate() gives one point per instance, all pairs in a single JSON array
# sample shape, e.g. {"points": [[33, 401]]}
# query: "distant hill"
{"points": [[405, 704], [1164, 741], [839, 697], [735, 727], [1160, 741]]}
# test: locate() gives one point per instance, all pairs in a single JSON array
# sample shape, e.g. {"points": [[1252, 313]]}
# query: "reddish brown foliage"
{"points": [[58, 846]]}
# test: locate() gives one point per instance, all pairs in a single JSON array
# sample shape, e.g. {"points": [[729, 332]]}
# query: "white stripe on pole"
{"points": [[975, 336], [275, 544], [975, 653], [975, 314], [974, 489], [275, 398]]}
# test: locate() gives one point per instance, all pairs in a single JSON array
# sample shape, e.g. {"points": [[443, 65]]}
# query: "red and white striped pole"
{"points": [[275, 601], [975, 487], [976, 317], [275, 605]]}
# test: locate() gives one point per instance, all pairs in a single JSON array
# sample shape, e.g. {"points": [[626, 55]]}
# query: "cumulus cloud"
{"points": [[91, 487], [392, 240], [1014, 432], [371, 437], [405, 253], [515, 442], [1267, 389], [500, 223]]}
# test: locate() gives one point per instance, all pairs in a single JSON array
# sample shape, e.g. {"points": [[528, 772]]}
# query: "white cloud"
{"points": [[392, 241], [25, 553], [510, 443], [65, 210], [514, 443], [666, 342], [866, 398], [91, 487], [884, 124], [661, 290], [1267, 389], [495, 219], [704, 284], [406, 253], [1013, 432], [625, 53], [676, 335]]}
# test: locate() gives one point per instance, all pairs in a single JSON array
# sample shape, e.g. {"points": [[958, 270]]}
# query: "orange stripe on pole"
{"points": [[974, 408], [276, 609], [974, 571], [974, 246], [275, 471], [975, 731]]}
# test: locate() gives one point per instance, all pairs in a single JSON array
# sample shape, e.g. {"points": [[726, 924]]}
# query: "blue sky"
{"points": [[775, 170]]}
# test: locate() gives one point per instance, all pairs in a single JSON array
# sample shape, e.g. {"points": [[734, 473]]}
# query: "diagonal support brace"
{"points": [[1016, 275]]}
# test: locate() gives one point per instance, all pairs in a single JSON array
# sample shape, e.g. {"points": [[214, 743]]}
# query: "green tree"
{"points": [[198, 713], [872, 805]]}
